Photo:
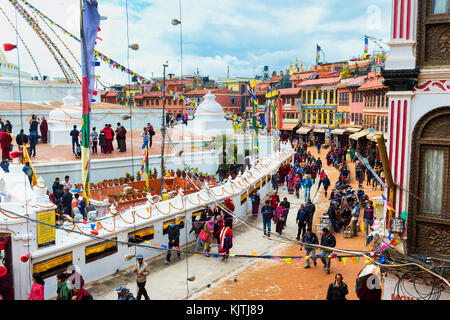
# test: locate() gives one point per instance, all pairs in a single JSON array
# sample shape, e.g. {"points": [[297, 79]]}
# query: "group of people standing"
{"points": [[216, 224]]}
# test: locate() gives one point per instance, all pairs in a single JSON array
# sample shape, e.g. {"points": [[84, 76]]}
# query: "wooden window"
{"points": [[53, 266], [433, 33], [157, 102], [100, 250]]}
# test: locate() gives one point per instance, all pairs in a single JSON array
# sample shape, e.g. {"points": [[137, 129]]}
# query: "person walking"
{"points": [[326, 184], [75, 135], [124, 294], [226, 240], [44, 130], [37, 288], [63, 290], [197, 227], [327, 240], [174, 240], [355, 217], [94, 139], [280, 218], [266, 213], [310, 251], [338, 289], [275, 181], [332, 215], [255, 199], [142, 270], [287, 207], [368, 217], [145, 138], [310, 208], [208, 228], [307, 184], [301, 221], [297, 182]]}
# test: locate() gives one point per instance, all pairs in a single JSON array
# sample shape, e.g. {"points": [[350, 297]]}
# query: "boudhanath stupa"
{"points": [[209, 121], [61, 121]]}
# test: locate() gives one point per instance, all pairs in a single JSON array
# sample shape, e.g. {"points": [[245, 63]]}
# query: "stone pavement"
{"points": [[168, 282]]}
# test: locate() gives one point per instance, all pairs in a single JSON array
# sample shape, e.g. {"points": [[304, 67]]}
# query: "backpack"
{"points": [[298, 184]]}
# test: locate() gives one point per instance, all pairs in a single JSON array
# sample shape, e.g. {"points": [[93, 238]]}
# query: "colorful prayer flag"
{"points": [[89, 28]]}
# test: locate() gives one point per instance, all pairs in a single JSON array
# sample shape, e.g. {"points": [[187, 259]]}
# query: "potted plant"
{"points": [[132, 178], [117, 197], [178, 173], [183, 174], [110, 182], [155, 173], [134, 195], [99, 185], [138, 176], [105, 183], [129, 196], [91, 185], [121, 180], [116, 182], [139, 194], [111, 198]]}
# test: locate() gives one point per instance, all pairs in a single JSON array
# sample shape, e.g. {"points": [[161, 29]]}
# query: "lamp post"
{"points": [[176, 22], [163, 128]]}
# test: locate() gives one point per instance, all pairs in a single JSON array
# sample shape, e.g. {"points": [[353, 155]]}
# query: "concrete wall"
{"points": [[24, 241]]}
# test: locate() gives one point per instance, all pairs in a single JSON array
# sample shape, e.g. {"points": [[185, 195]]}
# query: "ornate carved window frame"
{"points": [[418, 145], [426, 19]]}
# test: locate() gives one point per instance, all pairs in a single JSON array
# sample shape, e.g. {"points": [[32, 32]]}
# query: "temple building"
{"points": [[417, 74]]}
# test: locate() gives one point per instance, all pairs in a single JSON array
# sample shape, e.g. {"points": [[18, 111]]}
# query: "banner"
{"points": [[90, 22], [46, 234]]}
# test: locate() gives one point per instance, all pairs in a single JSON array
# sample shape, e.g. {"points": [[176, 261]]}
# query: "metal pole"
{"points": [[163, 130], [181, 56]]}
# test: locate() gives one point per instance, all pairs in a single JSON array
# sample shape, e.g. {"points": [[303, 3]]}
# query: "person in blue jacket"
{"points": [[307, 184]]}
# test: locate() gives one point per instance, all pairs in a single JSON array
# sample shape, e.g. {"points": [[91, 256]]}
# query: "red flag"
{"points": [[9, 46]]}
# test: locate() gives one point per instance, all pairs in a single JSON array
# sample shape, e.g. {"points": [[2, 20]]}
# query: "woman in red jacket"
{"points": [[108, 139], [226, 240], [37, 288]]}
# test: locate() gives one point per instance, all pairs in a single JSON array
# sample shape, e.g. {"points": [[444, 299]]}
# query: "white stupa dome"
{"points": [[69, 112], [210, 119], [61, 121]]}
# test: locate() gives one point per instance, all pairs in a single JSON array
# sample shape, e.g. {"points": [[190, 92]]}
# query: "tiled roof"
{"points": [[290, 91], [197, 92], [301, 76], [317, 82], [112, 94], [360, 64], [372, 83], [354, 82]]}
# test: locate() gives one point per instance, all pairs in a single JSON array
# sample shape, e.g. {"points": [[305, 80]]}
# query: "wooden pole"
{"points": [[387, 171]]}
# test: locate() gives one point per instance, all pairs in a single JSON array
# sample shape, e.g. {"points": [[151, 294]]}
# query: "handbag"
{"points": [[203, 235]]}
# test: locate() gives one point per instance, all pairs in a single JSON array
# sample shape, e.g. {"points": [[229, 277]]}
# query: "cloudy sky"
{"points": [[245, 35]]}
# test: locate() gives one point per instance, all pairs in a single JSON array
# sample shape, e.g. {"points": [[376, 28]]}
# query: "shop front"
{"points": [[360, 141], [304, 134]]}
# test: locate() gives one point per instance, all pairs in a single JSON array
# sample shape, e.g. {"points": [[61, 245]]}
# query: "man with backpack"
{"points": [[355, 216], [307, 184], [151, 133]]}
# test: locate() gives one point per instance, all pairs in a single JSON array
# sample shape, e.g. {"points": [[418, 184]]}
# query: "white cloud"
{"points": [[245, 35]]}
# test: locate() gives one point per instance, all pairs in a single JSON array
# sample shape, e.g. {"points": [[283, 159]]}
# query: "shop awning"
{"points": [[359, 135], [319, 130], [353, 130], [304, 130], [338, 131], [373, 136]]}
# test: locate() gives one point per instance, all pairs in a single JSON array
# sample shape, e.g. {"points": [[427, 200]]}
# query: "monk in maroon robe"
{"points": [[108, 139], [44, 130], [5, 143]]}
